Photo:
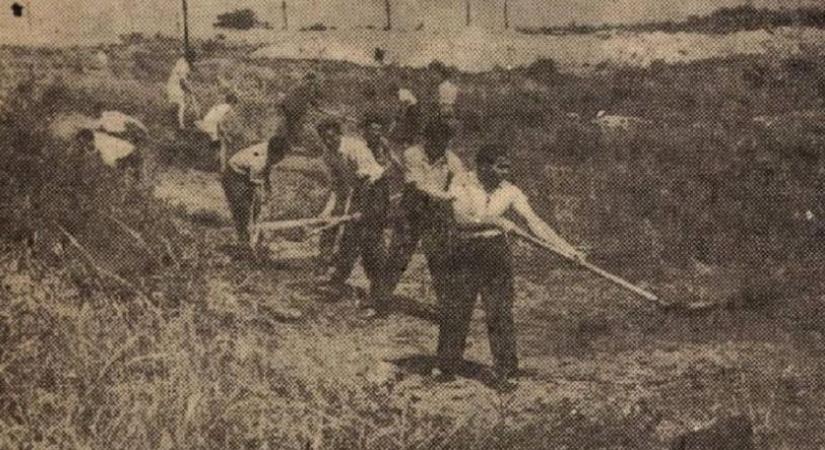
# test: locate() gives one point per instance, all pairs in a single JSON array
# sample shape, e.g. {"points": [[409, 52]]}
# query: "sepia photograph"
{"points": [[412, 224]]}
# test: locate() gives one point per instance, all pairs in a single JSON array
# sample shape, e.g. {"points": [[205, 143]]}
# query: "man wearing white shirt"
{"points": [[429, 170], [213, 125], [447, 95], [481, 263], [361, 167], [178, 88], [246, 181]]}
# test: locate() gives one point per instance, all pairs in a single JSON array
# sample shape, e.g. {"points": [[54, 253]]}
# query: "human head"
{"points": [[329, 131], [231, 99], [276, 150], [493, 164], [373, 129], [437, 136]]}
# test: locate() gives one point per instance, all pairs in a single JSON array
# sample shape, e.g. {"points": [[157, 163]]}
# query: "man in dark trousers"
{"points": [[246, 181], [480, 264], [363, 165], [429, 170]]}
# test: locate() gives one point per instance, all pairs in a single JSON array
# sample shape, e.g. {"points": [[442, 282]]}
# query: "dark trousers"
{"points": [[244, 202], [479, 267], [423, 221], [365, 238]]}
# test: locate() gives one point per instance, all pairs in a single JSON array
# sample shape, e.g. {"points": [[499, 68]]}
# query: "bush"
{"points": [[239, 19]]}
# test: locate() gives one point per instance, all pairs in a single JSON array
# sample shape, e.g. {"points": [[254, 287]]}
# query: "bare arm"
{"points": [[541, 229]]}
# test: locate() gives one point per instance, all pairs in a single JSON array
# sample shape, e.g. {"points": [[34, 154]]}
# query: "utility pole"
{"points": [[185, 28], [506, 15], [388, 9], [284, 14], [469, 18]]}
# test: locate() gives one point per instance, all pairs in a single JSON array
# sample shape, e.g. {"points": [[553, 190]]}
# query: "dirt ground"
{"points": [[239, 353]]}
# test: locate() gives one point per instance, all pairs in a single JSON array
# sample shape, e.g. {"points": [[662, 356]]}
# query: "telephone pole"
{"points": [[469, 18], [185, 28], [388, 9], [506, 15], [284, 14]]}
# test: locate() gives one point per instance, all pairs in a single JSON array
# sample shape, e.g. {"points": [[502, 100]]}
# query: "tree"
{"points": [[469, 18]]}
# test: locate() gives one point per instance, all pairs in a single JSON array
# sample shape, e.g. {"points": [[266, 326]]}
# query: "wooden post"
{"points": [[469, 17], [388, 9], [506, 15], [186, 29], [285, 16]]}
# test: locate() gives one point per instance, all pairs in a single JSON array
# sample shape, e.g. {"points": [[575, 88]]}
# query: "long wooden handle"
{"points": [[297, 223], [597, 270]]}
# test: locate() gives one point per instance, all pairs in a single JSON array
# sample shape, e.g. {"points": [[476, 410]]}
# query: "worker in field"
{"points": [[408, 120], [118, 139], [447, 94], [214, 125], [481, 264], [362, 166], [295, 106], [246, 183], [179, 88], [429, 170]]}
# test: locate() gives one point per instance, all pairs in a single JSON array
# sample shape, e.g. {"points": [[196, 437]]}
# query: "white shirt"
{"points": [[473, 204], [212, 120], [251, 161], [429, 176], [406, 96], [112, 149], [173, 87], [447, 93], [116, 122], [360, 157]]}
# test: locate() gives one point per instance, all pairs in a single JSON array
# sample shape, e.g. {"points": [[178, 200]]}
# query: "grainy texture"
{"points": [[684, 156]]}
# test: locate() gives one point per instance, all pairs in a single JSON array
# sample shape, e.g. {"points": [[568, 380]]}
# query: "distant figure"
{"points": [[246, 182], [213, 125], [447, 95], [408, 122], [295, 106], [178, 88], [378, 55]]}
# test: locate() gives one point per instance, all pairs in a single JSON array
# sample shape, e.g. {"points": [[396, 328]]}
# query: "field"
{"points": [[146, 330]]}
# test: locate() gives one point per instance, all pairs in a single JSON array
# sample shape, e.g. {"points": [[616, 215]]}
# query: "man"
{"points": [[118, 137], [429, 170], [213, 125], [246, 181], [178, 87], [361, 166], [408, 122], [295, 106], [481, 263], [447, 95]]}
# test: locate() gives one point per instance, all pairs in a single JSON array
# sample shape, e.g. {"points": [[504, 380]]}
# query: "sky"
{"points": [[99, 18]]}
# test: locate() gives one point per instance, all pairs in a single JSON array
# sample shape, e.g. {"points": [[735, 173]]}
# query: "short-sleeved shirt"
{"points": [[251, 161], [212, 120], [173, 87], [473, 203], [431, 176]]}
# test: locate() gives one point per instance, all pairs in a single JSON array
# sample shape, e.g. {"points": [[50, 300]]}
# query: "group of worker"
{"points": [[457, 216]]}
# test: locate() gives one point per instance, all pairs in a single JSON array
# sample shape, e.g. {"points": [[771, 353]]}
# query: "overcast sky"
{"points": [[99, 17]]}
